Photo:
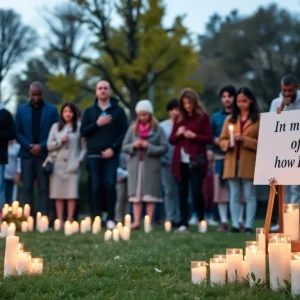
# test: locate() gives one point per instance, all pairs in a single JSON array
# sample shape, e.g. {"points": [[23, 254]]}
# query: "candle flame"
{"points": [[230, 127]]}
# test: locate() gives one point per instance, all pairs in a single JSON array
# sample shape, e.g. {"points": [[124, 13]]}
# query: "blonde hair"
{"points": [[153, 121]]}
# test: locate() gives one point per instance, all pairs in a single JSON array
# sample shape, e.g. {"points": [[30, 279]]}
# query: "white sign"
{"points": [[278, 150]]}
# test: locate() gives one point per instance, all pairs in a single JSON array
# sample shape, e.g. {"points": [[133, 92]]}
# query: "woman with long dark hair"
{"points": [[239, 141], [67, 150], [190, 135]]}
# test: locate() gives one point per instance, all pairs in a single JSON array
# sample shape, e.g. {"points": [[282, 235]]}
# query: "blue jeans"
{"points": [[2, 195], [171, 194], [103, 177], [238, 186], [8, 190]]}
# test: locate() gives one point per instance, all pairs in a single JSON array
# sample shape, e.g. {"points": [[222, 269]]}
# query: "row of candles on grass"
{"points": [[18, 262], [284, 266], [16, 210]]}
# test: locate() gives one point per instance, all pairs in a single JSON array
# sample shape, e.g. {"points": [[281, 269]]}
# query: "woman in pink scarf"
{"points": [[145, 143]]}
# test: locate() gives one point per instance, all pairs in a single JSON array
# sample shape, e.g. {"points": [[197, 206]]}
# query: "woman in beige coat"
{"points": [[66, 150], [240, 148]]}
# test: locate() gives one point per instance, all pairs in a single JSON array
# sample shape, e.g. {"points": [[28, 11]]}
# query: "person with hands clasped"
{"points": [[146, 143], [67, 150], [190, 135], [239, 141], [104, 125]]}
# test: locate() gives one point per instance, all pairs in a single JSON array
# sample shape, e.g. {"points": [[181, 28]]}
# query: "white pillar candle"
{"points": [[107, 235], [68, 228], [291, 220], [30, 223], [119, 226], [36, 266], [95, 228], [75, 226], [11, 252], [127, 221], [126, 233], [44, 224], [217, 271], [202, 227], [4, 212], [261, 240], [23, 263], [38, 221], [147, 224], [57, 225], [279, 261], [99, 222], [251, 246], [234, 259], [295, 274], [24, 226], [4, 228], [11, 231], [116, 235], [26, 210], [168, 226], [231, 135], [88, 222], [20, 247], [19, 212], [15, 206], [83, 227], [245, 269], [198, 270], [257, 267]]}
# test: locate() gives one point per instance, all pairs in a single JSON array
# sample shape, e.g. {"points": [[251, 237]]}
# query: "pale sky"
{"points": [[197, 12]]}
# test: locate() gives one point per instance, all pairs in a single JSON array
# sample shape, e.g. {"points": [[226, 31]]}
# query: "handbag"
{"points": [[48, 168], [199, 163]]}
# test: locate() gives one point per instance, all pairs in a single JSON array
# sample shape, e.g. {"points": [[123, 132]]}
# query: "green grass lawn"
{"points": [[86, 267]]}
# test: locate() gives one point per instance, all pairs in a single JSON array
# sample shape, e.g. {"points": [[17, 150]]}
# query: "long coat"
{"points": [[67, 157], [157, 146], [247, 149]]}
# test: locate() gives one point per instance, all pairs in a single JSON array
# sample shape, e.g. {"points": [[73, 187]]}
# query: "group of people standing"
{"points": [[153, 162]]}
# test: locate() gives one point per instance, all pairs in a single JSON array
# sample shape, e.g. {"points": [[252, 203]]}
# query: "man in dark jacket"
{"points": [[7, 132], [33, 123], [104, 125]]}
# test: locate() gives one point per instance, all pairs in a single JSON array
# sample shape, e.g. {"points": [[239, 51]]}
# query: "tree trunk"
{"points": [[134, 98]]}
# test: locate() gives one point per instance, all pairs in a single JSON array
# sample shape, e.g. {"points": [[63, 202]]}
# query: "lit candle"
{"points": [[4, 212], [168, 226], [11, 252], [38, 221], [75, 226], [68, 228], [261, 240], [11, 231], [126, 233], [24, 226], [44, 224], [95, 228], [198, 270], [291, 220], [88, 222], [36, 266], [127, 221], [83, 228], [202, 227], [116, 235], [257, 267], [4, 228], [30, 223], [19, 212], [147, 224], [245, 269], [250, 247], [279, 261], [234, 259], [231, 135], [295, 274], [23, 263], [107, 235], [57, 225], [20, 247], [119, 226], [26, 210], [217, 271], [15, 206], [99, 222]]}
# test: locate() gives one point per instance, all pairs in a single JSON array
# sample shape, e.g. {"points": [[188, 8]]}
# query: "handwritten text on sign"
{"points": [[278, 151]]}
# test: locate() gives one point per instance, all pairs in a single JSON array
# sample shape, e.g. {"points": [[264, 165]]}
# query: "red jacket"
{"points": [[193, 147]]}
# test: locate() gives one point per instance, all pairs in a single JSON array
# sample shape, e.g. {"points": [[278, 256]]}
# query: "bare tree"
{"points": [[66, 36], [16, 39]]}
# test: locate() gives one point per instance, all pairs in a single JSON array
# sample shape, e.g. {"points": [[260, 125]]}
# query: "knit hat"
{"points": [[144, 105]]}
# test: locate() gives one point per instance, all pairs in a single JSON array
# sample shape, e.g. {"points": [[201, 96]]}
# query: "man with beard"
{"points": [[289, 99], [221, 196]]}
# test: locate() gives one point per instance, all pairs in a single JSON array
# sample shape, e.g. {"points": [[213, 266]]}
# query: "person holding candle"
{"points": [[240, 157], [190, 135], [66, 151], [145, 142]]}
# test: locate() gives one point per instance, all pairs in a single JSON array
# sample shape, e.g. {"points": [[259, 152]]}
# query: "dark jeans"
{"points": [[8, 190], [195, 177], [32, 170], [103, 177]]}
